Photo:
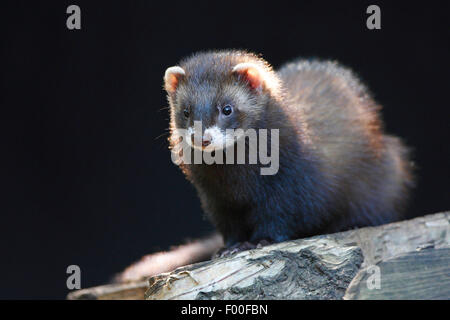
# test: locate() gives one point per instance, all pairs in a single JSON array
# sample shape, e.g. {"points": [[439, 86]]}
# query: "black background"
{"points": [[86, 175]]}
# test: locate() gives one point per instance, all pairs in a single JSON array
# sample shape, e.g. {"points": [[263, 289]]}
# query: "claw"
{"points": [[236, 248]]}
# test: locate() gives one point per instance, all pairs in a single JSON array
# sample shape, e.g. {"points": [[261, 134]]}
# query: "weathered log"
{"points": [[403, 260], [117, 291]]}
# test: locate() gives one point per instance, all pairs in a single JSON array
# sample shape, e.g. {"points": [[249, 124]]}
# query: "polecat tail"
{"points": [[165, 261]]}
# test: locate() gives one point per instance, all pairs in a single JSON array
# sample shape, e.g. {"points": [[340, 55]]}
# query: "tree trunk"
{"points": [[403, 260]]}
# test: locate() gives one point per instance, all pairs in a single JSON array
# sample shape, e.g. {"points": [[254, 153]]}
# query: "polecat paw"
{"points": [[240, 246]]}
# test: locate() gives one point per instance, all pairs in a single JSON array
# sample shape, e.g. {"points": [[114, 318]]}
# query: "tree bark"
{"points": [[403, 260]]}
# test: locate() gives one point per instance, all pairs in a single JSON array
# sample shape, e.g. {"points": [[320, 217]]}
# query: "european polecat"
{"points": [[337, 168]]}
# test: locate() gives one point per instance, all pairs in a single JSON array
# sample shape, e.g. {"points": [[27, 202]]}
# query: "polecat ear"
{"points": [[172, 77], [251, 73]]}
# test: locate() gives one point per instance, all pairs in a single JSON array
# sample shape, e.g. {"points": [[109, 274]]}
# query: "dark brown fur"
{"points": [[338, 169]]}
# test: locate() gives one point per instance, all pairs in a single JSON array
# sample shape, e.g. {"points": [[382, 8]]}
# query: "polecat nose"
{"points": [[206, 141]]}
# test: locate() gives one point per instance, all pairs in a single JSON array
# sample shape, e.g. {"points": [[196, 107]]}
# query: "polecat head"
{"points": [[222, 90]]}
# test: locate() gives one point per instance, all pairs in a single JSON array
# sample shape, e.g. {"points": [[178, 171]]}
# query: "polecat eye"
{"points": [[227, 110], [186, 113]]}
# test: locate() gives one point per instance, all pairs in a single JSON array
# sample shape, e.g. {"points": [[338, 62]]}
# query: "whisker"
{"points": [[162, 135]]}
